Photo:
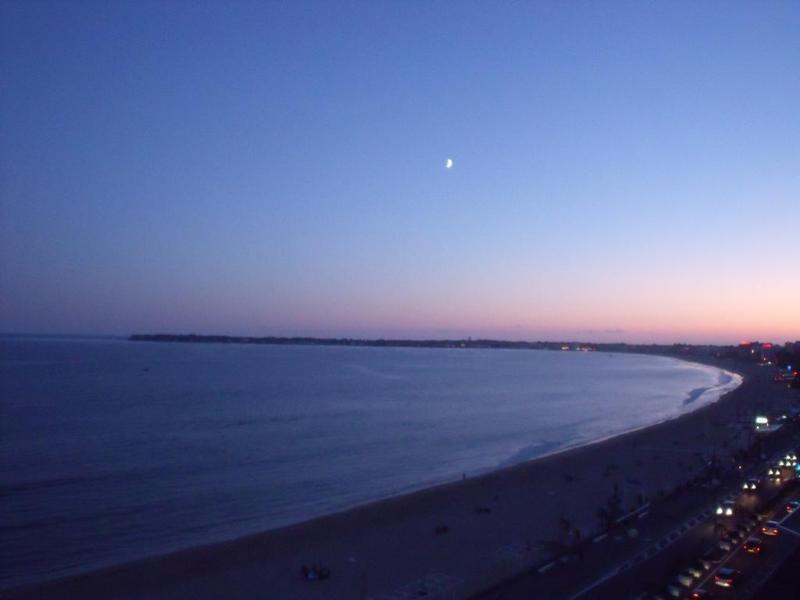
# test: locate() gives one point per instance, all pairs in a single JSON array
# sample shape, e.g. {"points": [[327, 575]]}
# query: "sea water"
{"points": [[113, 450]]}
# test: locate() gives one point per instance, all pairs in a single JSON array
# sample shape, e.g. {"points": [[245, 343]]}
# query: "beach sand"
{"points": [[390, 548]]}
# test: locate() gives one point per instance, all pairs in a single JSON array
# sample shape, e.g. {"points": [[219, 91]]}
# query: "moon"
{"points": [[448, 164]]}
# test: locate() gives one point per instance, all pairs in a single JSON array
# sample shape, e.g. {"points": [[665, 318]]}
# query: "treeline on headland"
{"points": [[407, 343], [315, 341]]}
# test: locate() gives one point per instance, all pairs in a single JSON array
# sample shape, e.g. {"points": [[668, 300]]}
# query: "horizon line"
{"points": [[473, 339]]}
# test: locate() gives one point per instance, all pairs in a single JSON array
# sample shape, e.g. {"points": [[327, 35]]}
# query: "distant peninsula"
{"points": [[672, 349]]}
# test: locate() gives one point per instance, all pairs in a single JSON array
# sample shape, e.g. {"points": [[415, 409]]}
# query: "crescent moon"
{"points": [[449, 163]]}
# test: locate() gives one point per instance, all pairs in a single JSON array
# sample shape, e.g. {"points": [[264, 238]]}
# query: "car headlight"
{"points": [[719, 510], [728, 512]]}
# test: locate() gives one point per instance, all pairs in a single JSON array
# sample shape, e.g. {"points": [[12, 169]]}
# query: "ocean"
{"points": [[113, 450]]}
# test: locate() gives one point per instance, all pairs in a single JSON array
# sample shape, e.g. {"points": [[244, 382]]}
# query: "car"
{"points": [[792, 505], [750, 486], [774, 475], [771, 528], [725, 544], [726, 509], [736, 536], [696, 569], [686, 578], [674, 589], [711, 557], [700, 593], [753, 546], [727, 577]]}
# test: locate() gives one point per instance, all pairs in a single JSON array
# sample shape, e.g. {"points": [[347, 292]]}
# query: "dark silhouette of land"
{"points": [[400, 343]]}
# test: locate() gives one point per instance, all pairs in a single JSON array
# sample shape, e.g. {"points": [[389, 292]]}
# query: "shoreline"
{"points": [[524, 454], [289, 544]]}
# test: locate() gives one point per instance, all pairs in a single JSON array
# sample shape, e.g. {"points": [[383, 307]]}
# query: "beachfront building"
{"points": [[761, 352]]}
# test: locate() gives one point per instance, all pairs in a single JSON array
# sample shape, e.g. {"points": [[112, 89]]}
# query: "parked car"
{"points": [[753, 546], [700, 594], [792, 505], [726, 577], [711, 557], [686, 578], [771, 528], [675, 589], [696, 569]]}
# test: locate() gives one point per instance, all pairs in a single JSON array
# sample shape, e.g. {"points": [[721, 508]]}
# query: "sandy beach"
{"points": [[490, 527]]}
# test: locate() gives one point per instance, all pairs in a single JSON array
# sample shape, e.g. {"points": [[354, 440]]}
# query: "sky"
{"points": [[622, 171]]}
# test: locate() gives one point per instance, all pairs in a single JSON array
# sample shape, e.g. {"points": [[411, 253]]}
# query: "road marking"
{"points": [[546, 567], [600, 538], [738, 547], [720, 565], [649, 552], [643, 507], [603, 579], [789, 530], [643, 515]]}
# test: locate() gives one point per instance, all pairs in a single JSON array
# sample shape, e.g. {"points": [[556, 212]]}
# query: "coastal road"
{"points": [[649, 551], [653, 574], [658, 529], [756, 570]]}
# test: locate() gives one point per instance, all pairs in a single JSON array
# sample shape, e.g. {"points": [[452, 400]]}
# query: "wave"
{"points": [[695, 394]]}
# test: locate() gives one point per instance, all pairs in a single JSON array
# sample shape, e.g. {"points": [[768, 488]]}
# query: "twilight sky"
{"points": [[623, 171]]}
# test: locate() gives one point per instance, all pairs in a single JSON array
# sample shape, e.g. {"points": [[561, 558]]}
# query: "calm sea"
{"points": [[113, 450]]}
